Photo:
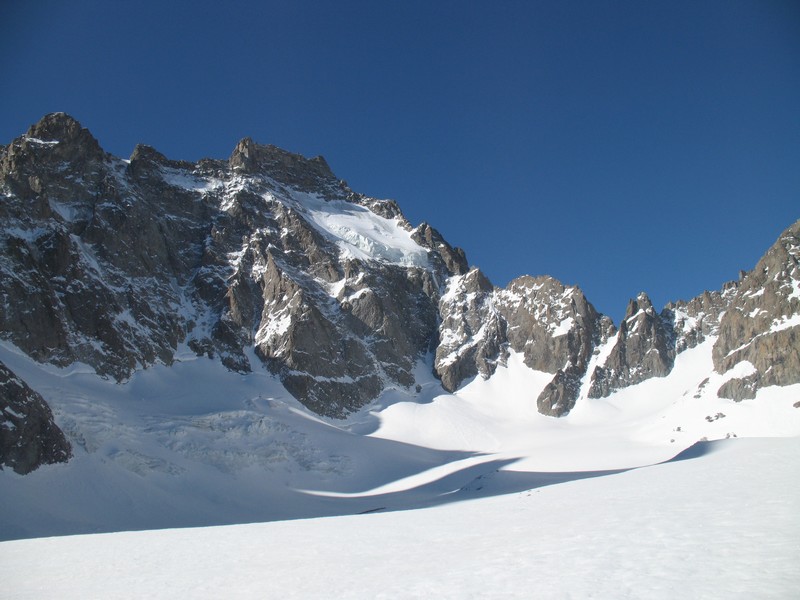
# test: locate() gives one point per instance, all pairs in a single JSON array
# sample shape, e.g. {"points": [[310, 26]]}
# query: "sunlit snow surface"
{"points": [[720, 524], [505, 501], [359, 232]]}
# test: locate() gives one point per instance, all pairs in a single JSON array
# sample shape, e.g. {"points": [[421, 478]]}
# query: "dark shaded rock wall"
{"points": [[29, 438]]}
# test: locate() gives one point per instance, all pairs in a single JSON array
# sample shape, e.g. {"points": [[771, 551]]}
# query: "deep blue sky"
{"points": [[622, 146]]}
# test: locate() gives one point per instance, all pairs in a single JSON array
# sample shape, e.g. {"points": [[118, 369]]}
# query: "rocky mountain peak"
{"points": [[305, 174], [146, 161], [58, 127], [476, 281], [642, 302], [644, 348], [143, 152], [780, 264], [455, 261], [70, 140]]}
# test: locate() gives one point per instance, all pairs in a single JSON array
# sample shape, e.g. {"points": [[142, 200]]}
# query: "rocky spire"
{"points": [[70, 140], [644, 348], [306, 174]]}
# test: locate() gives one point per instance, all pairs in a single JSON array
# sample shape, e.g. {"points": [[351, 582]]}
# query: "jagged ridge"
{"points": [[122, 264]]}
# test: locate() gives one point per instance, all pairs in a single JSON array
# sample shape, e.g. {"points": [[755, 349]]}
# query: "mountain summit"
{"points": [[268, 258]]}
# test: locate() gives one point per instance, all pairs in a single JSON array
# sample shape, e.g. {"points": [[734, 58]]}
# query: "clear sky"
{"points": [[621, 146]]}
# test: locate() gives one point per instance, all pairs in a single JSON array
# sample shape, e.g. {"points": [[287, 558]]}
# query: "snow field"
{"points": [[722, 524], [472, 494], [360, 233], [640, 425], [196, 445]]}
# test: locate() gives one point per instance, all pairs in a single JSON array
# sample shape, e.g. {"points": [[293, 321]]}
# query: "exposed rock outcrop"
{"points": [[120, 263], [644, 348], [762, 323], [29, 438], [472, 335], [552, 325], [696, 320]]}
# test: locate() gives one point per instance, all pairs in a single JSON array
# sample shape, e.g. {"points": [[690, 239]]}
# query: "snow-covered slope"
{"points": [[360, 233], [720, 524], [195, 444]]}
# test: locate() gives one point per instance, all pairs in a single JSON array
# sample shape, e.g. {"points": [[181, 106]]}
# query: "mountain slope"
{"points": [[249, 339], [762, 325], [196, 444], [122, 263]]}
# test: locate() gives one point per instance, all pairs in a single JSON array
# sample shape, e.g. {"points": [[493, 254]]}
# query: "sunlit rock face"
{"points": [[762, 323], [269, 257], [552, 325]]}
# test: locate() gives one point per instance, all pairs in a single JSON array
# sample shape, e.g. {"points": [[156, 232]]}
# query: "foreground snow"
{"points": [[722, 523]]}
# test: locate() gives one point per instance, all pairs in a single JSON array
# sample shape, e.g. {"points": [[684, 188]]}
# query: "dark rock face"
{"points": [[559, 396], [553, 325], [28, 436], [293, 170], [97, 254], [740, 388], [556, 329], [120, 263], [762, 323], [454, 260]]}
